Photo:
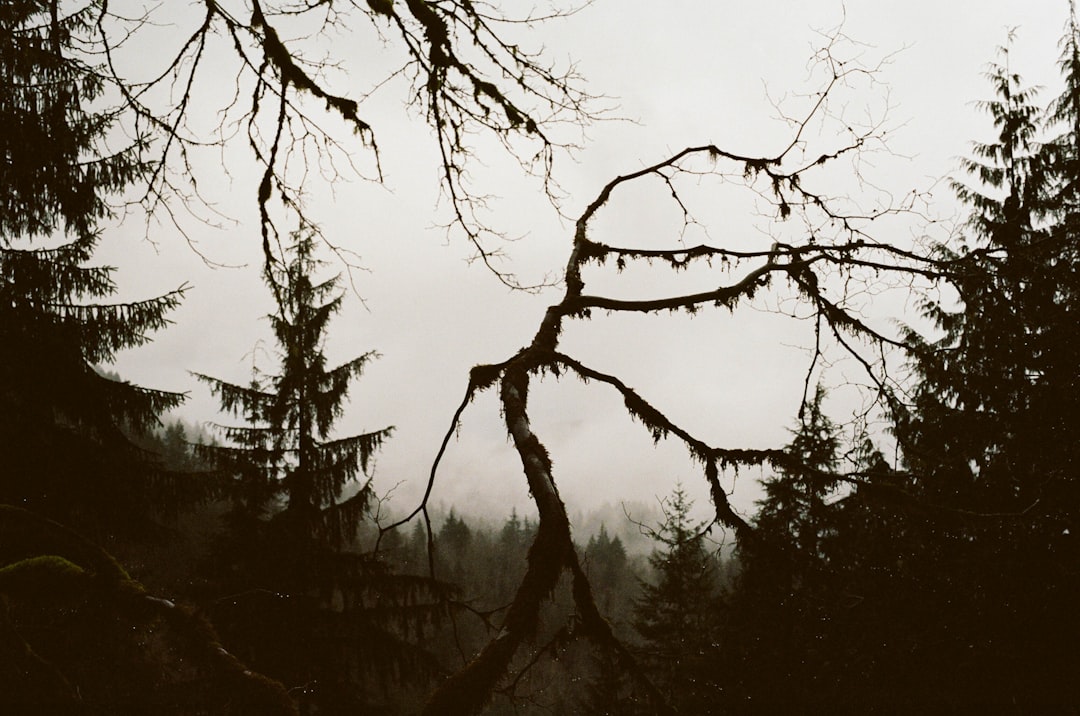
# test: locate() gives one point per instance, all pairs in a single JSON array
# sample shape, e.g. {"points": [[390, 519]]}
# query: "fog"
{"points": [[677, 74]]}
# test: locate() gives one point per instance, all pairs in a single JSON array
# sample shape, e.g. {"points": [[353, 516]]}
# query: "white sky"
{"points": [[688, 73]]}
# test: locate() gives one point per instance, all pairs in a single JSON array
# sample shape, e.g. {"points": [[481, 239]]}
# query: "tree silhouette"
{"points": [[792, 578], [995, 398], [678, 613], [606, 565], [288, 557], [459, 70], [299, 108], [66, 428], [822, 253], [77, 633], [296, 460]]}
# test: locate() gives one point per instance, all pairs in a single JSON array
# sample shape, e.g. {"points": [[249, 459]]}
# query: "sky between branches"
{"points": [[688, 73]]}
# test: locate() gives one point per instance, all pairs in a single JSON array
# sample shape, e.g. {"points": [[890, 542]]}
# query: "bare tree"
{"points": [[260, 72], [823, 253]]}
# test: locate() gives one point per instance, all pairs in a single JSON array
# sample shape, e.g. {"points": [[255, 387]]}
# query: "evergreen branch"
{"points": [[237, 399]]}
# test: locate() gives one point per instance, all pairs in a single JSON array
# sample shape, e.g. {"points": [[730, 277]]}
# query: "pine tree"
{"points": [[973, 402], [1058, 398], [77, 633], [57, 172], [287, 558], [609, 690], [678, 613], [988, 439], [780, 609], [606, 565], [287, 454], [795, 514], [452, 546], [66, 428]]}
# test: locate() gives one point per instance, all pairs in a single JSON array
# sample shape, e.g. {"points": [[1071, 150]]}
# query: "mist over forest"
{"points": [[749, 424]]}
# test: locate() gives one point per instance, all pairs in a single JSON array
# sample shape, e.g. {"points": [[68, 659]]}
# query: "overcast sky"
{"points": [[687, 73]]}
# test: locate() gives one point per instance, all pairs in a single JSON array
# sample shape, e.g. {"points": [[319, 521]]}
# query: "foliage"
{"points": [[58, 171], [912, 586], [606, 563], [786, 598], [986, 435], [67, 429], [814, 272], [552, 673], [947, 579], [77, 633], [288, 555], [679, 613], [287, 454], [950, 583]]}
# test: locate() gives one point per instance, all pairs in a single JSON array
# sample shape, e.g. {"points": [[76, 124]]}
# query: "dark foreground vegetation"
{"points": [[144, 569]]}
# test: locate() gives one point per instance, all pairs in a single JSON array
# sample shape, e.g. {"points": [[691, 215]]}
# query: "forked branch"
{"points": [[813, 270]]}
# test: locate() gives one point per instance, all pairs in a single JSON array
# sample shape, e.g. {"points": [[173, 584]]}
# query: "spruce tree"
{"points": [[678, 612], [780, 609], [973, 400], [609, 690], [287, 557], [1058, 399], [57, 171], [77, 633], [606, 565], [988, 439], [795, 514], [66, 428], [289, 462], [961, 595]]}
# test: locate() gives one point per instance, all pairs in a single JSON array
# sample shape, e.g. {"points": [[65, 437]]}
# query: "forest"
{"points": [[918, 554]]}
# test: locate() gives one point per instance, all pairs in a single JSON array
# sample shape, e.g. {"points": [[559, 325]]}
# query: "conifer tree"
{"points": [[785, 589], [287, 455], [1059, 348], [962, 595], [452, 545], [609, 690], [288, 557], [988, 437], [66, 428], [678, 614], [973, 402], [77, 633], [605, 559], [974, 440], [795, 516]]}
